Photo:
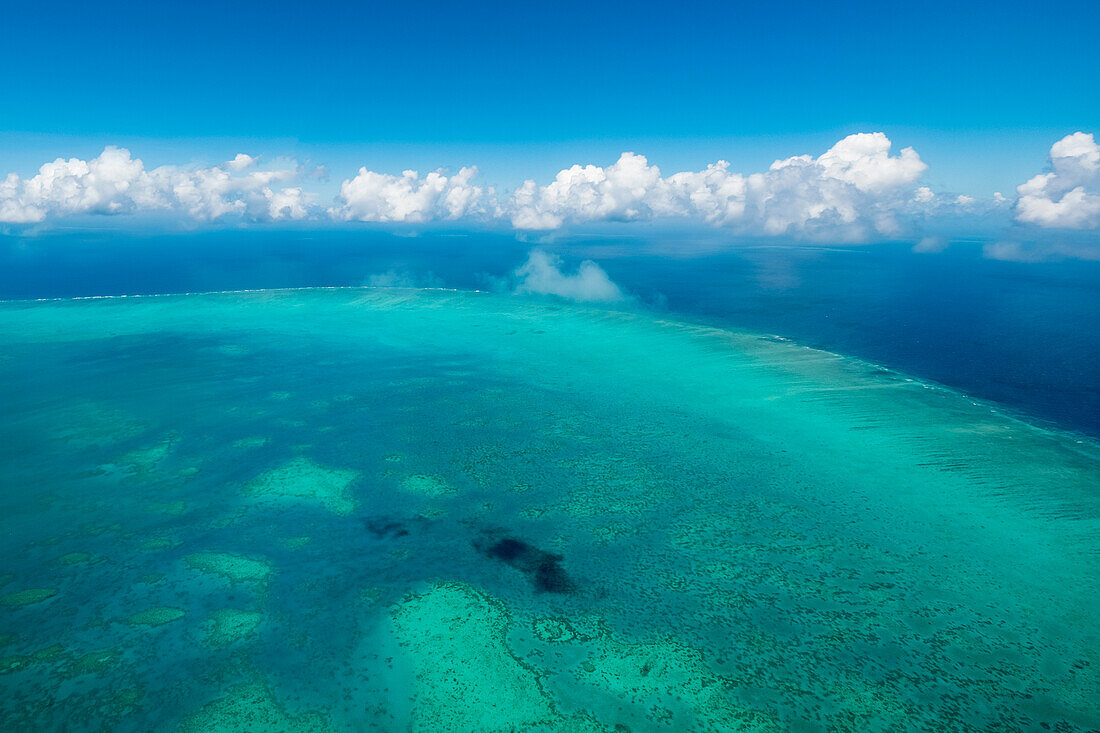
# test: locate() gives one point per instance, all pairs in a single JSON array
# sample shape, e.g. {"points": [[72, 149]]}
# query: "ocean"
{"points": [[348, 508], [1014, 333]]}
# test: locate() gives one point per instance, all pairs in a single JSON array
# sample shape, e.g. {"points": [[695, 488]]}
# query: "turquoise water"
{"points": [[349, 509]]}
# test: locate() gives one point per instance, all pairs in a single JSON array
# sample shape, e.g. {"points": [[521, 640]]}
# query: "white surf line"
{"points": [[61, 299]]}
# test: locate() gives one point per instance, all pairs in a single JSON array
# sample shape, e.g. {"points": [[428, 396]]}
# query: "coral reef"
{"points": [[428, 485], [249, 707], [466, 676], [234, 568], [543, 569], [156, 616], [27, 597], [302, 480], [231, 625]]}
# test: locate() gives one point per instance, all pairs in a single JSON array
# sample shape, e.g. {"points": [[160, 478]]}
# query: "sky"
{"points": [[321, 94]]}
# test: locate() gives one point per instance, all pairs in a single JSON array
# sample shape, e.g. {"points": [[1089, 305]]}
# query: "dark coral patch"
{"points": [[543, 569], [383, 528]]}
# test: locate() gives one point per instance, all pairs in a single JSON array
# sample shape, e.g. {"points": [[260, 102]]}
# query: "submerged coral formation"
{"points": [[543, 569], [234, 568], [250, 707], [427, 484], [77, 558], [27, 597], [230, 625], [666, 684], [143, 462], [94, 425], [302, 480], [466, 676], [156, 616]]}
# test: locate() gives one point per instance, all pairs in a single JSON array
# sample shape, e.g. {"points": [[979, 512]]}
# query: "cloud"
{"points": [[1041, 251], [1068, 196], [241, 161], [930, 244], [859, 189], [628, 190], [113, 183], [116, 183], [381, 197], [853, 190], [394, 278], [542, 274]]}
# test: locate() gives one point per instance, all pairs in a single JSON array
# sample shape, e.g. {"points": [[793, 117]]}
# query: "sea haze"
{"points": [[1018, 334]]}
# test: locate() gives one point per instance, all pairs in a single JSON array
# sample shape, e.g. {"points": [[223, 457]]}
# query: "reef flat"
{"points": [[364, 509]]}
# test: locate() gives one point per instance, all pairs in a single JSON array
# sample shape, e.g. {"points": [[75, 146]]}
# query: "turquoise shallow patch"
{"points": [[328, 507]]}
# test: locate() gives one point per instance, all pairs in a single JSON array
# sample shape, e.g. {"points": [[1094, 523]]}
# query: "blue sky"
{"points": [[522, 91], [446, 73]]}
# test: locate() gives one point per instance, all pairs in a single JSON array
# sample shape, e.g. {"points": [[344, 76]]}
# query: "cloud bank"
{"points": [[857, 190], [116, 183], [853, 190]]}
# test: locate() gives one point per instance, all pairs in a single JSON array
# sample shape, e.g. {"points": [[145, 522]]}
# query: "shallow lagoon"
{"points": [[438, 510]]}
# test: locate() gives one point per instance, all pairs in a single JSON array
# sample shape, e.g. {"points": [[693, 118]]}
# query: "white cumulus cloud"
{"points": [[116, 183], [1068, 196], [853, 190], [859, 189], [542, 274], [381, 197], [630, 189]]}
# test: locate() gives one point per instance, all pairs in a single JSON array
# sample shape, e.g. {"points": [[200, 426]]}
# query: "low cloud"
{"points": [[1068, 196], [395, 278], [116, 183], [852, 191], [408, 198], [543, 274], [929, 245], [1041, 251], [860, 189]]}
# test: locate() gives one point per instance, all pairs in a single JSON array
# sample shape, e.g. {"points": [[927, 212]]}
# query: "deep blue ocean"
{"points": [[1020, 334]]}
